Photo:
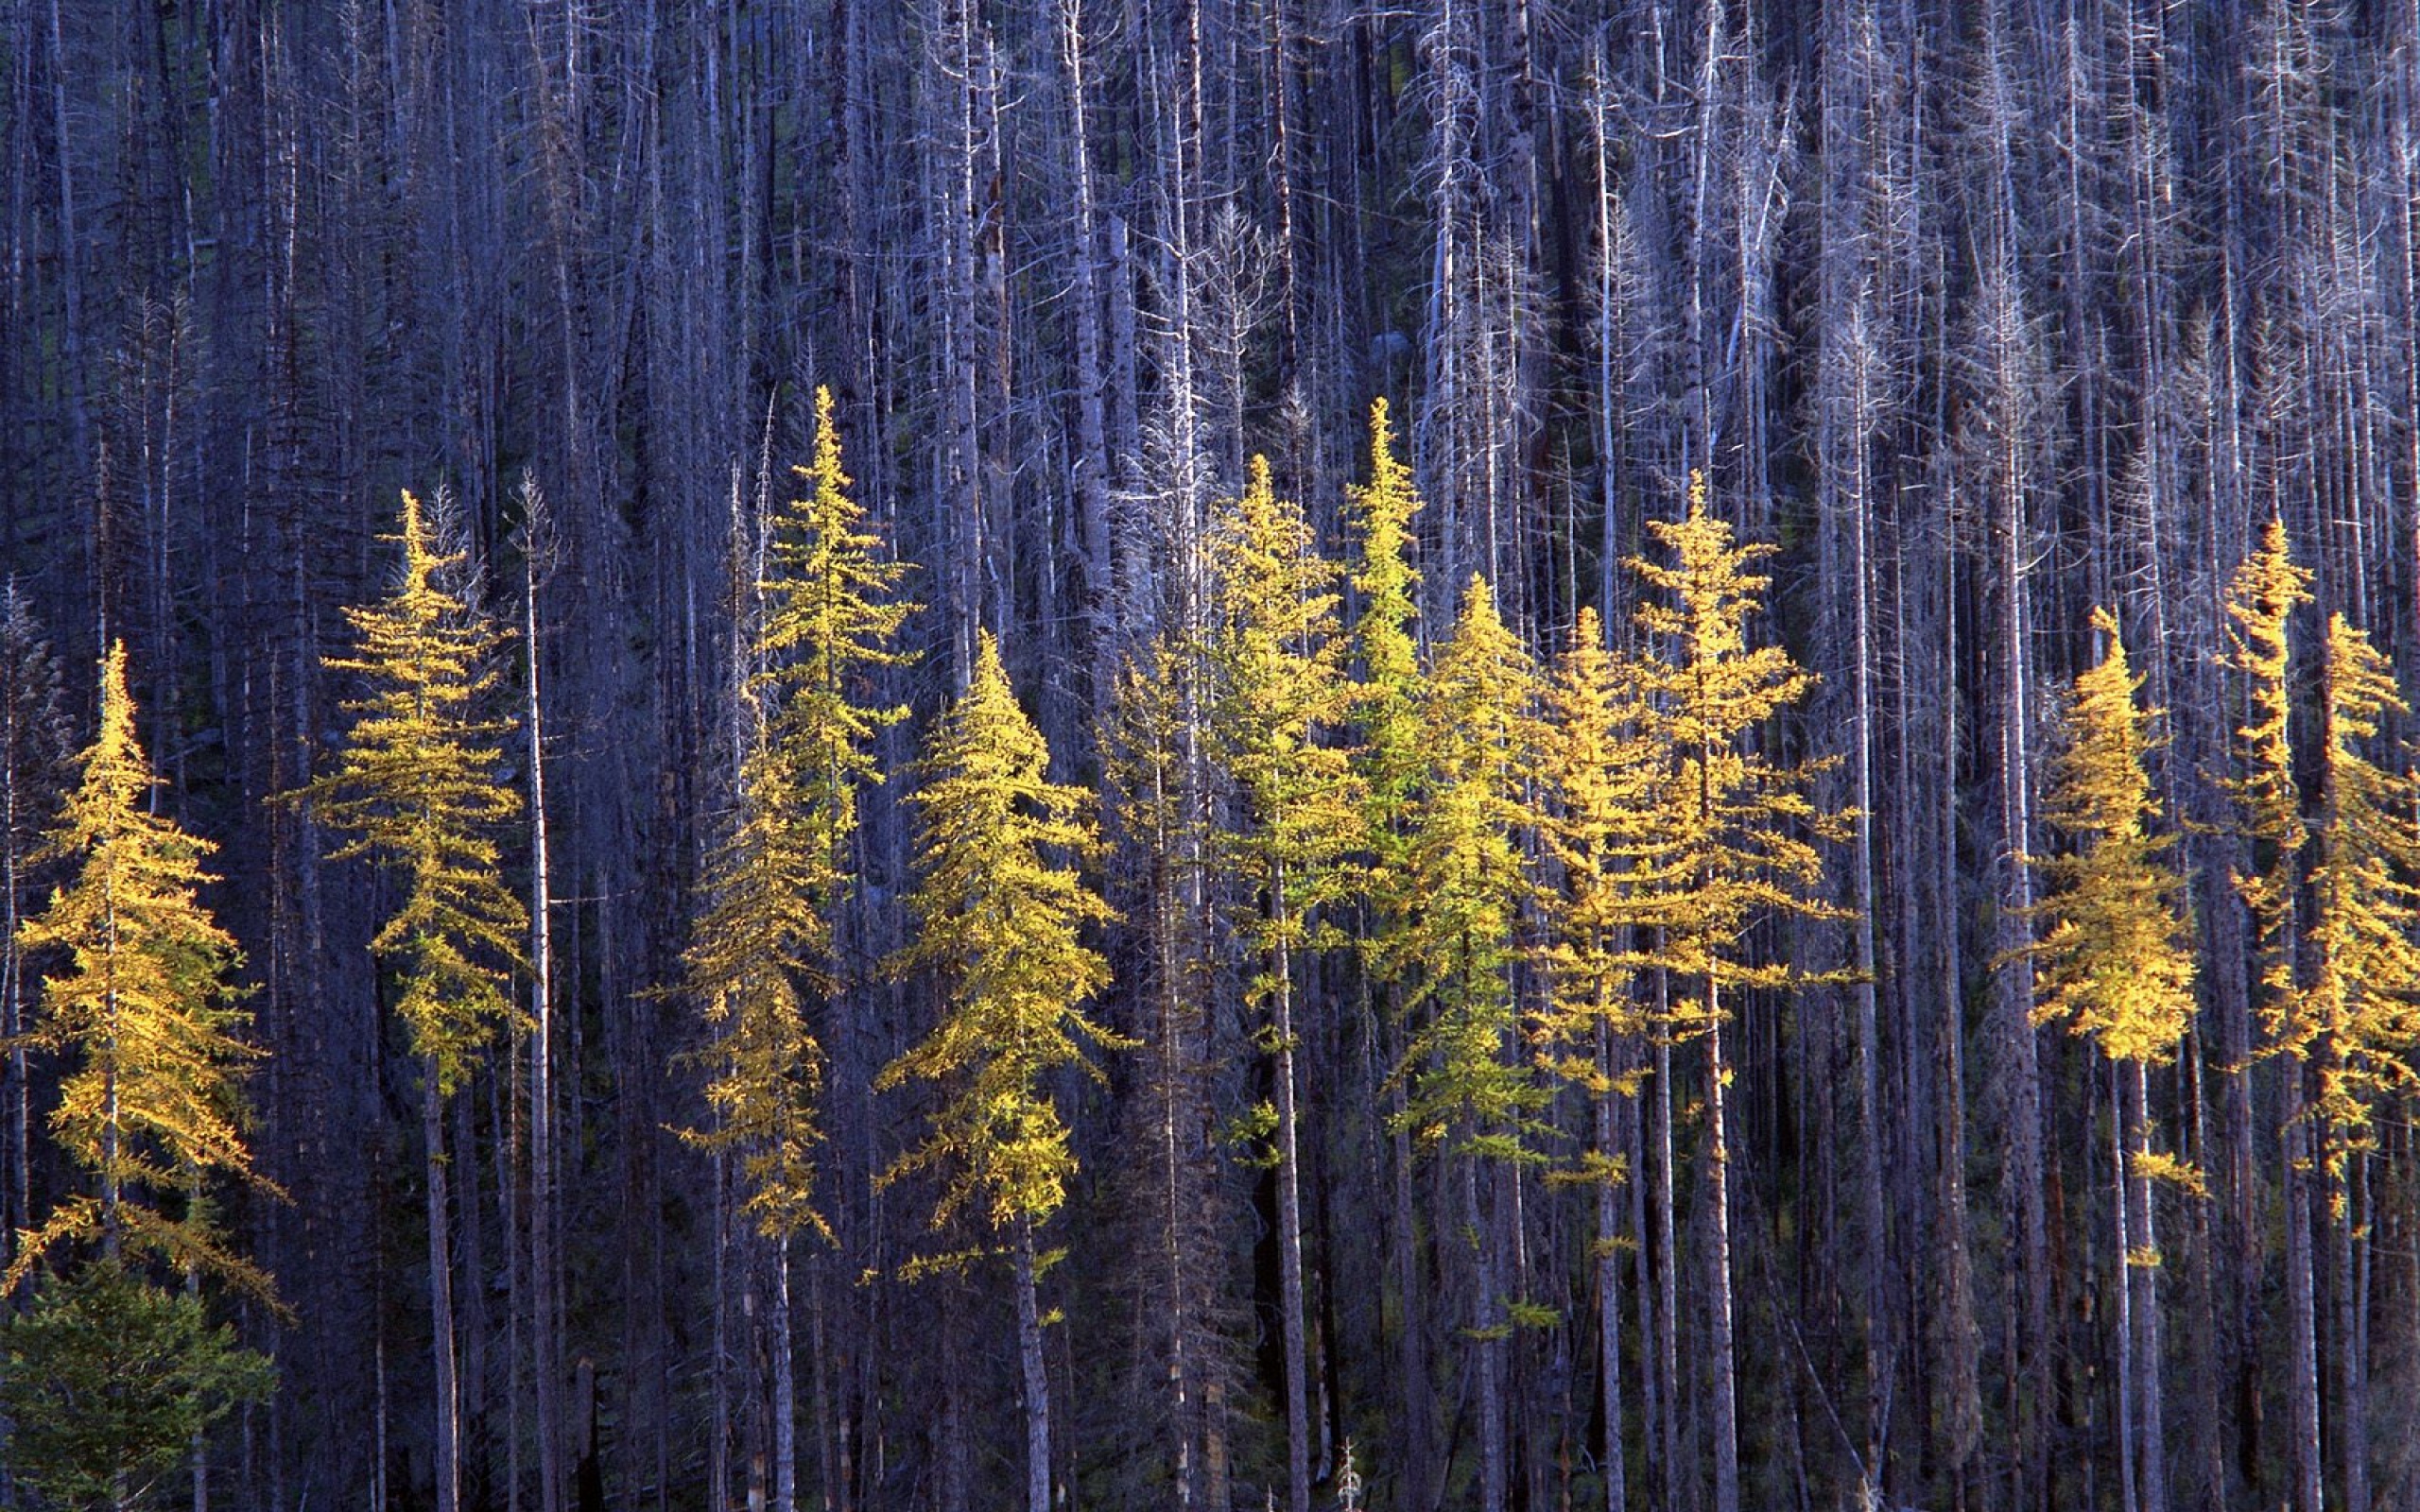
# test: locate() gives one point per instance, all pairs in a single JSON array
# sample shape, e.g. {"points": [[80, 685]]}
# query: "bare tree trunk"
{"points": [[2347, 1271], [545, 1338], [1609, 1281], [1680, 1480], [1035, 1376], [2302, 1312], [1092, 462], [1717, 1267], [2142, 1281], [1290, 1218], [784, 1385], [440, 1300]]}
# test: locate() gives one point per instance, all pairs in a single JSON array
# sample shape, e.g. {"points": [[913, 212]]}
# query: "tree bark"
{"points": [[440, 1300], [1035, 1375], [1724, 1368], [1290, 1218]]}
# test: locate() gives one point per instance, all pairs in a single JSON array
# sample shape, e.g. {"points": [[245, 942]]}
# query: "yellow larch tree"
{"points": [[112, 1375], [1001, 913], [420, 790], [766, 948], [151, 1105], [1740, 832], [1279, 694], [1602, 770], [2268, 587], [2116, 964], [1465, 884]]}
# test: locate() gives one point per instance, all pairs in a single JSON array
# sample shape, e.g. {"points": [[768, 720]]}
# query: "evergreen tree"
{"points": [[152, 1107], [109, 1379], [2116, 964], [1001, 913], [420, 789], [1466, 880], [1741, 834], [833, 612]]}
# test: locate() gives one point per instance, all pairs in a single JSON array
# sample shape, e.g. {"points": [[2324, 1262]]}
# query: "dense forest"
{"points": [[1210, 754]]}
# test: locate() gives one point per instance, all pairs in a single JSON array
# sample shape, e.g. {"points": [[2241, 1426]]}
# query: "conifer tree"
{"points": [[2359, 1018], [2115, 965], [1001, 913], [153, 1107], [2267, 588], [1388, 760], [1385, 644], [833, 611], [766, 946], [1279, 693], [1742, 835], [1465, 873], [109, 1379], [420, 790], [112, 1375], [1601, 767]]}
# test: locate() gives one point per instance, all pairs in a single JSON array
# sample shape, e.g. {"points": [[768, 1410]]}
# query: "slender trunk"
{"points": [[545, 1338], [440, 1300], [1725, 1371], [1487, 1325], [1869, 1049], [2352, 1363], [2143, 1281], [1092, 460], [1290, 1218], [1036, 1376], [718, 1445], [199, 1445], [1609, 1281], [1412, 1351], [1679, 1480], [18, 1211], [784, 1385], [2302, 1313], [2121, 1212], [2029, 1360]]}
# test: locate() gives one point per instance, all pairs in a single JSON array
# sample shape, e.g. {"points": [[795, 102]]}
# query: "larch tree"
{"points": [[1002, 911], [2359, 1017], [2116, 964], [1471, 1094], [1742, 842], [766, 946], [1280, 694], [2267, 588], [1386, 702], [112, 1374], [1600, 767], [154, 1108], [420, 789]]}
